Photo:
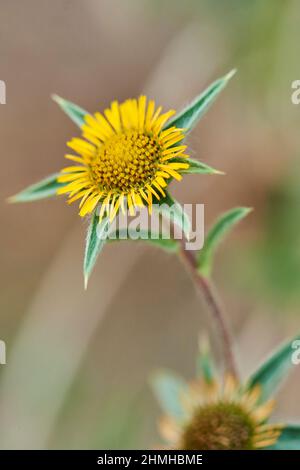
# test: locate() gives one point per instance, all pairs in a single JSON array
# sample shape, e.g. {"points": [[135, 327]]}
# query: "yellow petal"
{"points": [[133, 113], [72, 187], [144, 195], [161, 181], [155, 183], [116, 208], [130, 205], [141, 110], [122, 197], [263, 412], [172, 172], [75, 159], [155, 117], [71, 169], [173, 141], [92, 135], [89, 204], [113, 116], [169, 131], [81, 146], [149, 114], [150, 188], [150, 201], [169, 429], [104, 206], [174, 150], [136, 199], [77, 196], [88, 193], [157, 126], [101, 124]]}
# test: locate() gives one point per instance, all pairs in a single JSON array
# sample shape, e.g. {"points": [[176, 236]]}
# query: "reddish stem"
{"points": [[205, 287]]}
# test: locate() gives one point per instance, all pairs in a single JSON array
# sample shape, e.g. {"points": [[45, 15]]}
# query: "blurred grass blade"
{"points": [[72, 110], [168, 389], [274, 370], [196, 167], [190, 115], [41, 190], [167, 244], [95, 241], [215, 235], [289, 438], [173, 211]]}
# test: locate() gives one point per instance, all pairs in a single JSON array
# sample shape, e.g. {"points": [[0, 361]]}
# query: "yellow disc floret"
{"points": [[219, 426], [127, 161]]}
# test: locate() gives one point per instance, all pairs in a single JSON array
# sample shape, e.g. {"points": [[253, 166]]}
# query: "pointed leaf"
{"points": [[190, 115], [169, 389], [74, 111], [167, 244], [289, 438], [41, 190], [96, 238], [196, 167], [172, 210], [215, 235], [274, 370]]}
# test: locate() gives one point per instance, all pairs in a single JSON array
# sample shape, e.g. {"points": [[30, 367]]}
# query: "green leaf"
{"points": [[289, 438], [190, 115], [169, 389], [41, 190], [95, 240], [215, 235], [74, 111], [274, 370], [205, 367], [173, 211], [196, 167], [167, 244]]}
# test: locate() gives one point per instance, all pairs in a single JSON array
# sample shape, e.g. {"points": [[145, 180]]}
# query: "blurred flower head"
{"points": [[213, 414], [221, 417]]}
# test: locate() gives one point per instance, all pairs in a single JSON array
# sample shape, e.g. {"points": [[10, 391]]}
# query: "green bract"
{"points": [[75, 112], [215, 235], [274, 370], [41, 190], [289, 438], [168, 388], [95, 240], [197, 167], [155, 238], [191, 114]]}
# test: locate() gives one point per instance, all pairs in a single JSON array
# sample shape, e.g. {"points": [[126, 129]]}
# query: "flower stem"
{"points": [[205, 287]]}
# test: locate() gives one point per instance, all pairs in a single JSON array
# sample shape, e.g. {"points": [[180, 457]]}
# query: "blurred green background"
{"points": [[78, 363]]}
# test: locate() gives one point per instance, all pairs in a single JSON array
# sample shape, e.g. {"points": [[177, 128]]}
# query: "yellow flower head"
{"points": [[221, 417], [125, 157]]}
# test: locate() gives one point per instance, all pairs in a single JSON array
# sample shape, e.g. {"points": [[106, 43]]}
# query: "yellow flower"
{"points": [[220, 418], [124, 157]]}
